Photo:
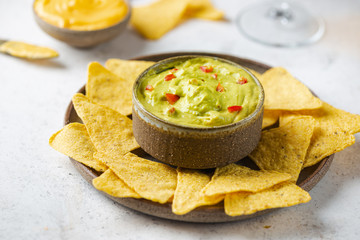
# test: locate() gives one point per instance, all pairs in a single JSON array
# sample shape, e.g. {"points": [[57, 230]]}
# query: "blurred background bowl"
{"points": [[79, 38]]}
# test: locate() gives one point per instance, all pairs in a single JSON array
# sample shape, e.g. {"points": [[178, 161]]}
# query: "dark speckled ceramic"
{"points": [[195, 147]]}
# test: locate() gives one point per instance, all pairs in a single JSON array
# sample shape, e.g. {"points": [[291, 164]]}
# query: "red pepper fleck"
{"points": [[206, 69], [149, 87], [234, 108], [173, 70], [220, 88], [169, 77], [171, 110], [214, 75], [242, 81], [172, 98]]}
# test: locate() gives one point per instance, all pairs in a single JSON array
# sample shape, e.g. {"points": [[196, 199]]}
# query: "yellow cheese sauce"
{"points": [[82, 15]]}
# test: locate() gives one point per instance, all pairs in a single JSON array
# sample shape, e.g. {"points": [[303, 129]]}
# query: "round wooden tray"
{"points": [[308, 178]]}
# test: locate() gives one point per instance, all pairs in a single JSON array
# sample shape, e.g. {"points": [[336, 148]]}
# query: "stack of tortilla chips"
{"points": [[299, 131]]}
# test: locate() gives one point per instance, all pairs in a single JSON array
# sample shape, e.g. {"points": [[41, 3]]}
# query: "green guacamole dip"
{"points": [[199, 92]]}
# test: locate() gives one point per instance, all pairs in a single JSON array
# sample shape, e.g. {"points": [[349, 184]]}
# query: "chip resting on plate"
{"points": [[284, 92], [235, 178], [334, 129], [74, 141], [110, 131], [111, 184], [129, 70], [270, 117], [106, 88], [282, 195], [188, 195], [151, 180], [283, 149]]}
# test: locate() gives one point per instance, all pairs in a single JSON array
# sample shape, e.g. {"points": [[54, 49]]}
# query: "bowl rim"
{"points": [[244, 121], [73, 31]]}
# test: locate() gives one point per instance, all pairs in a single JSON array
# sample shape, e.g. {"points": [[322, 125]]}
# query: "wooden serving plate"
{"points": [[308, 178]]}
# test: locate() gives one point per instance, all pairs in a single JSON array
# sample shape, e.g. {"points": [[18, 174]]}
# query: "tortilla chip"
{"points": [[283, 149], [105, 88], [188, 194], [74, 141], [235, 178], [203, 9], [282, 195], [156, 19], [151, 180], [284, 92], [110, 131], [25, 50], [270, 117], [111, 184], [129, 70], [334, 129]]}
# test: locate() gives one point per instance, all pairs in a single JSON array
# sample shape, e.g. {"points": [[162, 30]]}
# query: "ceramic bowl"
{"points": [[84, 38], [195, 147]]}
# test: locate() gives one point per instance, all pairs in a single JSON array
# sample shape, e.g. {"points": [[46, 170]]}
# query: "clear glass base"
{"points": [[281, 24]]}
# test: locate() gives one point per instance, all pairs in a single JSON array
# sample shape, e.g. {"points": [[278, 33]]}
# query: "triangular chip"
{"points": [[188, 195], [105, 88], [283, 149], [74, 141], [202, 9], [110, 131], [282, 195], [111, 184], [284, 92], [235, 178], [159, 17], [25, 50], [151, 180], [129, 70], [270, 117], [333, 131], [154, 20]]}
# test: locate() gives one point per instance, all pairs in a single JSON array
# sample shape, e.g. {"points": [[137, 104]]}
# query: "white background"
{"points": [[42, 196]]}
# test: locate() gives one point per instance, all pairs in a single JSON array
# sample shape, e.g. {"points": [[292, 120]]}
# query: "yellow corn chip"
{"points": [[129, 70], [156, 19], [284, 92], [25, 50], [151, 180], [105, 88], [110, 131], [74, 141], [111, 184], [282, 195], [270, 117], [333, 131], [235, 178], [203, 9], [188, 194], [283, 149]]}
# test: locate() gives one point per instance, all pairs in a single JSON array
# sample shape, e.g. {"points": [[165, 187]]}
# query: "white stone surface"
{"points": [[42, 196]]}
